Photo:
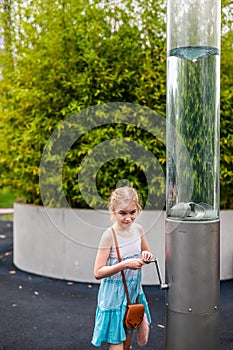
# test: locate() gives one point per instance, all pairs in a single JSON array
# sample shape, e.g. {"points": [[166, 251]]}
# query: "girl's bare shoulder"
{"points": [[107, 239], [139, 228]]}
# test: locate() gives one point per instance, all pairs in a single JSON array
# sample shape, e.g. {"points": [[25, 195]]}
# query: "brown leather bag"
{"points": [[134, 312], [134, 316]]}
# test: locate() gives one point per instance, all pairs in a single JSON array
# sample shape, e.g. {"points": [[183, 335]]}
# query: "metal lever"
{"points": [[162, 285]]}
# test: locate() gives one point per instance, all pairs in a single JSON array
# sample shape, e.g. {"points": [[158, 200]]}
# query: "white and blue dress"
{"points": [[112, 299]]}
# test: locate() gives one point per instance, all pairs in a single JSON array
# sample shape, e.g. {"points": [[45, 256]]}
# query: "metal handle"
{"points": [[162, 285]]}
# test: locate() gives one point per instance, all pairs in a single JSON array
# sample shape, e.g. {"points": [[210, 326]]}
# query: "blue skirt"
{"points": [[112, 304]]}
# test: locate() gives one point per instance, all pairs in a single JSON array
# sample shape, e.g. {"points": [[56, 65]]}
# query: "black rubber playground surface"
{"points": [[39, 313]]}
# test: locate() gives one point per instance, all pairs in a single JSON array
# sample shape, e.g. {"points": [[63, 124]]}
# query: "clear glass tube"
{"points": [[193, 95]]}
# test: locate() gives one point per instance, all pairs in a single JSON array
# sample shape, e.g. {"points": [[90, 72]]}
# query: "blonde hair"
{"points": [[124, 194]]}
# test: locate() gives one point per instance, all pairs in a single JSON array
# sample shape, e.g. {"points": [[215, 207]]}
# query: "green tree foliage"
{"points": [[60, 57], [67, 56], [226, 141]]}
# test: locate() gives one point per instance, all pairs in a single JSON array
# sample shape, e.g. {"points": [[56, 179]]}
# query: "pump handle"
{"points": [[162, 285]]}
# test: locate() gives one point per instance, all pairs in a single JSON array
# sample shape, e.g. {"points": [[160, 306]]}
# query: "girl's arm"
{"points": [[101, 270]]}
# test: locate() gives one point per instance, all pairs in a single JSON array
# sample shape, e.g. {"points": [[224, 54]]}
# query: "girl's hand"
{"points": [[133, 264], [146, 255]]}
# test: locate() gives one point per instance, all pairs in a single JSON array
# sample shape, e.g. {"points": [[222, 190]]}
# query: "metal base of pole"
{"points": [[192, 274]]}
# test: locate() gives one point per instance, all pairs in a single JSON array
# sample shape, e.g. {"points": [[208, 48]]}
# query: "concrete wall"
{"points": [[62, 243]]}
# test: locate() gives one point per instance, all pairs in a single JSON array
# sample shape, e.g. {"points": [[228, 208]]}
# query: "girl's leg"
{"points": [[116, 346], [143, 332], [127, 342], [122, 346]]}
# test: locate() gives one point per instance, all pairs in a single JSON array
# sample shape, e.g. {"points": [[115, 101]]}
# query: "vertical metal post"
{"points": [[192, 208]]}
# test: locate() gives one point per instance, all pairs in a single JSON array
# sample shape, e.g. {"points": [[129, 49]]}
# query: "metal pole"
{"points": [[192, 208]]}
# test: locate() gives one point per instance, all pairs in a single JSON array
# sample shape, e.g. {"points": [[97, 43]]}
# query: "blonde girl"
{"points": [[124, 207]]}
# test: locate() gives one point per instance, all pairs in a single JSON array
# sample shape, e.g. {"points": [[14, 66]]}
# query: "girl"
{"points": [[134, 250]]}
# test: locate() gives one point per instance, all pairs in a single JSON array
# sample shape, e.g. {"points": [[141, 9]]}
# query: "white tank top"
{"points": [[127, 246]]}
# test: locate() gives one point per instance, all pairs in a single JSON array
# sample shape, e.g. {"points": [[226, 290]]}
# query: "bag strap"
{"points": [[122, 272]]}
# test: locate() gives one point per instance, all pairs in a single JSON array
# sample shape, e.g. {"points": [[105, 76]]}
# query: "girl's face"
{"points": [[125, 214]]}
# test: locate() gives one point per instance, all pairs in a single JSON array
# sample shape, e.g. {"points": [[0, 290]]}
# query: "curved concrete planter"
{"points": [[62, 243]]}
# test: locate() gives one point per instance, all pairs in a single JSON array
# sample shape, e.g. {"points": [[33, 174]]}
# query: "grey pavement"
{"points": [[40, 313]]}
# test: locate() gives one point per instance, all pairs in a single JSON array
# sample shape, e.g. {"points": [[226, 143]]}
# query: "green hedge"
{"points": [[226, 140], [68, 56], [95, 149]]}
